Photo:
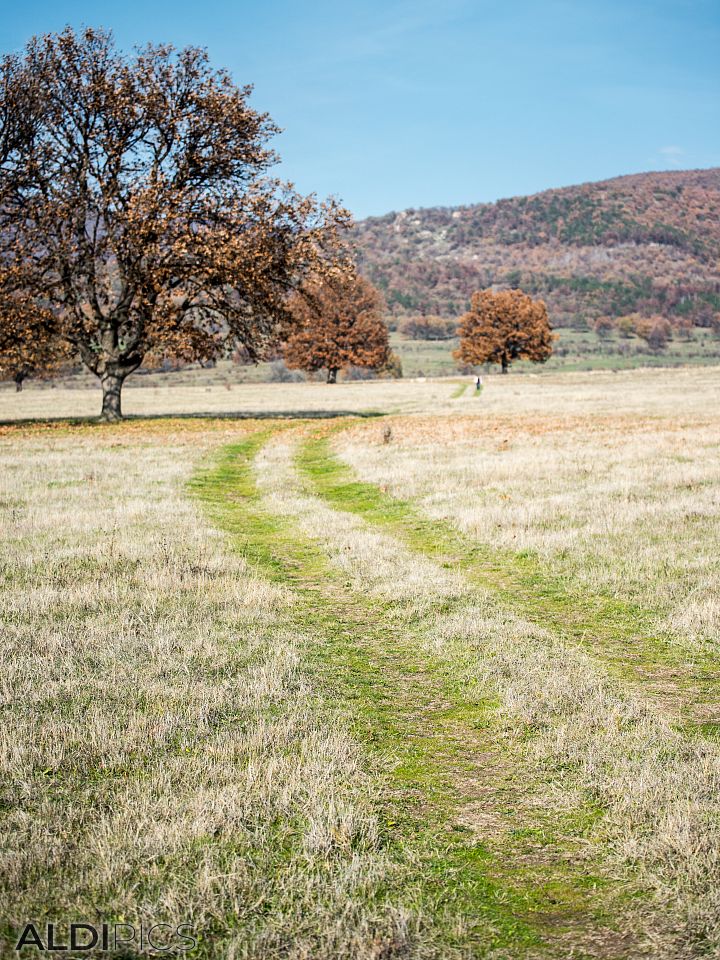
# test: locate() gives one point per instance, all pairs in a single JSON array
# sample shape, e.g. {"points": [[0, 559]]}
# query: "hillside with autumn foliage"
{"points": [[647, 243]]}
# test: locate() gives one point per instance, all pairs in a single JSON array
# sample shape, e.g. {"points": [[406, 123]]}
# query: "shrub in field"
{"points": [[279, 373], [502, 327], [392, 368], [626, 325], [359, 373], [684, 327], [603, 326], [655, 331]]}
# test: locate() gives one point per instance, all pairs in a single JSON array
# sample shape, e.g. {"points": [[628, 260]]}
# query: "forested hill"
{"points": [[648, 243]]}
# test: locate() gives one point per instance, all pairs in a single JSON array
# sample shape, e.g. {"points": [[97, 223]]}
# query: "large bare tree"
{"points": [[137, 205]]}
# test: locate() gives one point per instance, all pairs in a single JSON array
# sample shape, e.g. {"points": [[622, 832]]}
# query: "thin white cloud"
{"points": [[672, 155]]}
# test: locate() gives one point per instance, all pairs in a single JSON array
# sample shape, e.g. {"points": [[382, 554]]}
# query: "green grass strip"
{"points": [[621, 634], [415, 720]]}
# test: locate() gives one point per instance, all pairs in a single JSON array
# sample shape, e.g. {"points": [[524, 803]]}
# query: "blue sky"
{"points": [[394, 104]]}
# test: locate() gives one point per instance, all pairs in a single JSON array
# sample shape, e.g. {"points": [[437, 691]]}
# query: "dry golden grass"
{"points": [[163, 754], [626, 503], [648, 392], [246, 400], [165, 750]]}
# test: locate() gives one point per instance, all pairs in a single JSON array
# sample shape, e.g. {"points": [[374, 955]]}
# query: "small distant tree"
{"points": [[340, 324], [703, 315], [429, 328], [502, 327], [655, 331], [392, 368], [684, 327], [603, 327]]}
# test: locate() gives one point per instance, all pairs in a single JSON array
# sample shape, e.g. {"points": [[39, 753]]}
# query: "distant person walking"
{"points": [[478, 384]]}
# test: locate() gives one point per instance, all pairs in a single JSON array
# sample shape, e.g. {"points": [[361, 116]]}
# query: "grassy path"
{"points": [[461, 391], [591, 718], [484, 870], [620, 634]]}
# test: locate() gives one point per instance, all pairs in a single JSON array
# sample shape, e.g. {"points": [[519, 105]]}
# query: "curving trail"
{"points": [[534, 805], [482, 863], [618, 634]]}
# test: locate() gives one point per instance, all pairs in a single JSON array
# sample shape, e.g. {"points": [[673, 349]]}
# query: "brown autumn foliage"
{"points": [[30, 344], [504, 326], [604, 326], [340, 324], [134, 191], [655, 331]]}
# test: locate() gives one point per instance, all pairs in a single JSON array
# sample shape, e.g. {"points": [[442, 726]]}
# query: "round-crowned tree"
{"points": [[339, 324], [504, 326], [136, 205]]}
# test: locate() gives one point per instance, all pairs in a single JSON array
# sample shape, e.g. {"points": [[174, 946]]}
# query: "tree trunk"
{"points": [[111, 387], [332, 375], [505, 363]]}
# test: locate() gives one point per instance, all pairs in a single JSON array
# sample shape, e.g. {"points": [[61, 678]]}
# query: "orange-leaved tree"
{"points": [[340, 324], [655, 331], [136, 199], [504, 326]]}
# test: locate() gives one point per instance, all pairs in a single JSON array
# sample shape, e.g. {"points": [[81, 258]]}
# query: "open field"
{"points": [[576, 351], [648, 392], [440, 682]]}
